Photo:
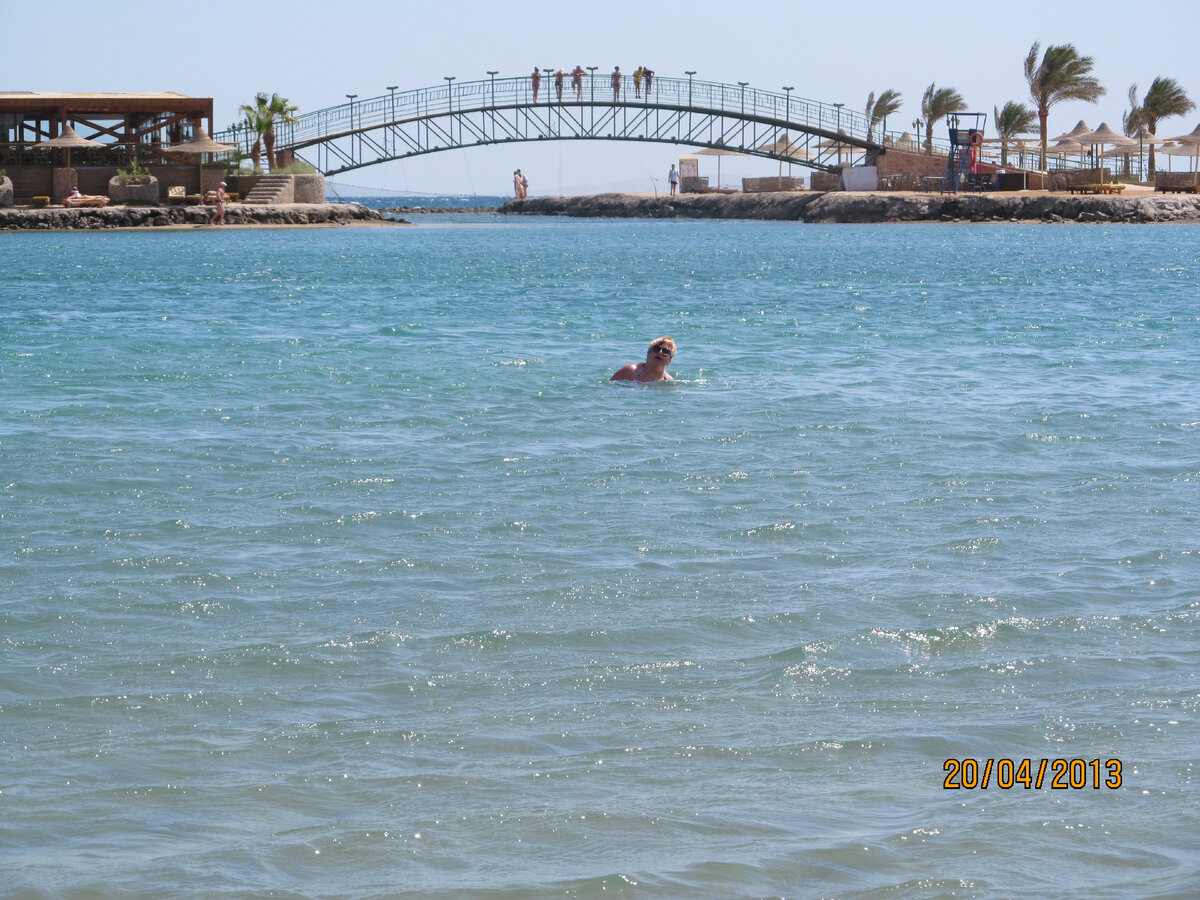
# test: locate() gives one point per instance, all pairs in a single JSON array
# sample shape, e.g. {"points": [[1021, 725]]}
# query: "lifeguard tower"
{"points": [[965, 144]]}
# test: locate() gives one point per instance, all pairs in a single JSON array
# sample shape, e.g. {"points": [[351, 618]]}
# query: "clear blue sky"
{"points": [[314, 53]]}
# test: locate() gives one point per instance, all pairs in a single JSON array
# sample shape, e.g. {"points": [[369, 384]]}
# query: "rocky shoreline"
{"points": [[419, 210], [876, 207], [67, 219]]}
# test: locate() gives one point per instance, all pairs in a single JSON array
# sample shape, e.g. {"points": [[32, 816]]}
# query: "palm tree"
{"points": [[1130, 123], [278, 109], [1016, 118], [261, 117], [936, 104], [1062, 75], [1132, 120], [257, 124], [878, 110], [1164, 99]]}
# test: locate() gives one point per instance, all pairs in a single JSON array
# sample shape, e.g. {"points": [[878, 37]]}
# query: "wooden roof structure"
{"points": [[117, 120]]}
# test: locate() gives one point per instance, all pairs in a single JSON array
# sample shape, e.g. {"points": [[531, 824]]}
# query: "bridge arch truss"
{"points": [[733, 118]]}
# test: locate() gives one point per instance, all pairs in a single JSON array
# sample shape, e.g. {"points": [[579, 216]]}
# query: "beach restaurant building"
{"points": [[114, 131]]}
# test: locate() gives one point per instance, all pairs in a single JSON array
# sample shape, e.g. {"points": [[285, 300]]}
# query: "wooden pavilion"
{"points": [[129, 127]]}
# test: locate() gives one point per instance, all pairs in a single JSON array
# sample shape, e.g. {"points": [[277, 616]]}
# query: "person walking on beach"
{"points": [[559, 75], [637, 82], [673, 179], [616, 83], [661, 352], [536, 78], [217, 216]]}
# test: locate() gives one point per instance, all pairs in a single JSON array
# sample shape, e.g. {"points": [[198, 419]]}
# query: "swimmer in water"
{"points": [[661, 352]]}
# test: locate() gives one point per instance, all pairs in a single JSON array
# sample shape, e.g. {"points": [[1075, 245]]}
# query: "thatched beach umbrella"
{"points": [[67, 139], [718, 151], [1104, 136], [200, 144], [1191, 140], [784, 146], [1081, 127], [830, 143]]}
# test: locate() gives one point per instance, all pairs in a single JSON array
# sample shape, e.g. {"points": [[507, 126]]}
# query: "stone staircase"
{"points": [[271, 190]]}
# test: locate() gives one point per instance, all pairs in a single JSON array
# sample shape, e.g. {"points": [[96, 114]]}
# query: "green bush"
{"points": [[296, 168], [136, 173]]}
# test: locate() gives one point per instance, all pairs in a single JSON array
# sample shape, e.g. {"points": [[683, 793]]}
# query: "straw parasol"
{"points": [[1103, 136], [1081, 127], [784, 146], [839, 142], [200, 144], [718, 151], [67, 139], [1191, 140]]}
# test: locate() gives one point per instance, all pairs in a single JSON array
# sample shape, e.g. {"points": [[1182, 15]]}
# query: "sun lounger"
{"points": [[86, 201]]}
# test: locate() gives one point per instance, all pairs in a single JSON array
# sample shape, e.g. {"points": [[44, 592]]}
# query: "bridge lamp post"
{"points": [[787, 117], [689, 73], [548, 72], [743, 129], [838, 107], [592, 79], [449, 79], [351, 99], [392, 89]]}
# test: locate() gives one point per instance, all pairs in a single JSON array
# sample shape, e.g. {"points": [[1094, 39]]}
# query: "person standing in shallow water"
{"points": [[660, 354]]}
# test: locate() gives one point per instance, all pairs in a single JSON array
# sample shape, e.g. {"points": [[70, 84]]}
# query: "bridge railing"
{"points": [[699, 96], [796, 114]]}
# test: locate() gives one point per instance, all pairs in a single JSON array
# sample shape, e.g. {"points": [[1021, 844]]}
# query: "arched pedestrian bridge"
{"points": [[703, 114]]}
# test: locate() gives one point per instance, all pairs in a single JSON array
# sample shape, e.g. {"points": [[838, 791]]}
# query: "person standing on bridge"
{"points": [[673, 179], [637, 82], [577, 82], [616, 83], [559, 75], [536, 78], [649, 75]]}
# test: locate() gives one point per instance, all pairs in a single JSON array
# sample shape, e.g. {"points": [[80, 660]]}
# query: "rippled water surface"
{"points": [[334, 566]]}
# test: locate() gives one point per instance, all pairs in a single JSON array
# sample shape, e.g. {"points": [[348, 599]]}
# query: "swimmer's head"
{"points": [[664, 341]]}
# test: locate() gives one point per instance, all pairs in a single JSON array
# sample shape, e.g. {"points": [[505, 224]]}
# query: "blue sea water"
{"points": [[334, 565]]}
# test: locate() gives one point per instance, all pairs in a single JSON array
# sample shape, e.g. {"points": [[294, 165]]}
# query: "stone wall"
{"points": [[772, 183], [309, 188]]}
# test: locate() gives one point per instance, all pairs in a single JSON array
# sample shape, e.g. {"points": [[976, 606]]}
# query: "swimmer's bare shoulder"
{"points": [[625, 373]]}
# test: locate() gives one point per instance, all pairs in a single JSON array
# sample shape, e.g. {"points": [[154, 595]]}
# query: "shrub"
{"points": [[296, 168], [136, 173]]}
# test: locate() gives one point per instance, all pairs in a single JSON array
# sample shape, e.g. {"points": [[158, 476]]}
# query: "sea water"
{"points": [[335, 566]]}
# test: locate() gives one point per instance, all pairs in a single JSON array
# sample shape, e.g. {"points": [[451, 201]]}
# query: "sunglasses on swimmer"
{"points": [[663, 348]]}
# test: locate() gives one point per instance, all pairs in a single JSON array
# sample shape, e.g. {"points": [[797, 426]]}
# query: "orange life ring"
{"points": [[976, 138]]}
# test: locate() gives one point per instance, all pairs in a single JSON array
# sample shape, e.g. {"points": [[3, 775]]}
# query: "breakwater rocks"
{"points": [[856, 207], [417, 210], [61, 218]]}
